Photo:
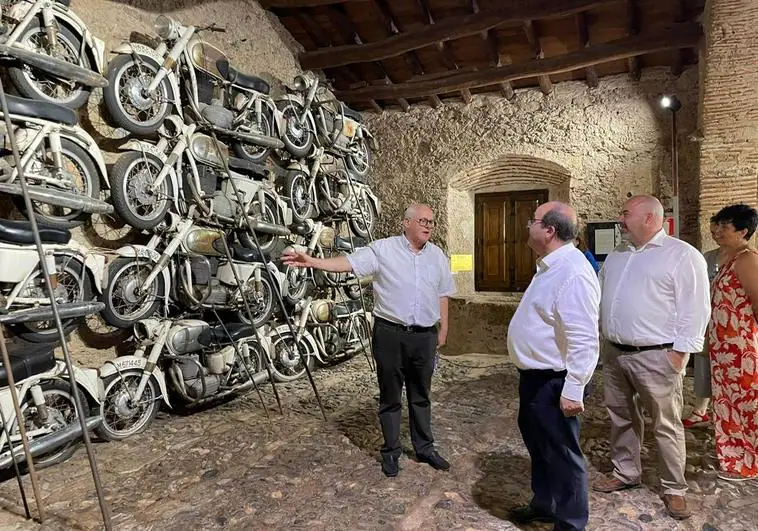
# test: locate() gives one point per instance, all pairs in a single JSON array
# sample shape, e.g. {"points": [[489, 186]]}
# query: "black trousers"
{"points": [[559, 471], [404, 357]]}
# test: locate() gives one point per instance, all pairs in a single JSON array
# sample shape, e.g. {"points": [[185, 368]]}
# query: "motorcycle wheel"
{"points": [[297, 138], [353, 291], [271, 244], [262, 310], [121, 418], [123, 307], [251, 152], [359, 162], [35, 84], [287, 365], [127, 106], [74, 285], [59, 399], [297, 289], [77, 163], [361, 228], [297, 191], [132, 198]]}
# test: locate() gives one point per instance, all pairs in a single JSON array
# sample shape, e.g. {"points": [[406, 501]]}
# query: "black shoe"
{"points": [[527, 514], [434, 459], [390, 465]]}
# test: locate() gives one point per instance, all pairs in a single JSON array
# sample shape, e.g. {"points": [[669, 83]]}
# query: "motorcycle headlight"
{"points": [[300, 83], [166, 27], [203, 148], [326, 238]]}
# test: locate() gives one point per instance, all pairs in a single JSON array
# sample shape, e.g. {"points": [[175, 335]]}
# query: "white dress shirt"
{"points": [[407, 284], [656, 294], [555, 326]]}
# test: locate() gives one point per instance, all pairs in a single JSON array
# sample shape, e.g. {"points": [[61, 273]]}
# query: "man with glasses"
{"points": [[553, 341], [412, 282]]}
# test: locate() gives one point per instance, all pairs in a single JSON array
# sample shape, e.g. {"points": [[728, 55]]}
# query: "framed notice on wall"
{"points": [[603, 237]]}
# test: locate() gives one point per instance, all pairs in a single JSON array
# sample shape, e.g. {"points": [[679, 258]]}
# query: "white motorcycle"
{"points": [[47, 404], [75, 273], [61, 162], [60, 59]]}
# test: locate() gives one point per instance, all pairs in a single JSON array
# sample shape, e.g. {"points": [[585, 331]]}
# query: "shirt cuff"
{"points": [[688, 344], [573, 391], [355, 266]]}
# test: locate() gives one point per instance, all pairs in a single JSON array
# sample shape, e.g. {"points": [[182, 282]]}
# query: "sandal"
{"points": [[696, 419], [733, 476]]}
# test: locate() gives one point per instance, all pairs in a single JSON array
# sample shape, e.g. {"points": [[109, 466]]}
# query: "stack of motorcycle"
{"points": [[221, 176]]}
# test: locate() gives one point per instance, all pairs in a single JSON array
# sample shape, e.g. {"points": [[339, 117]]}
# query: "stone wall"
{"points": [[729, 102], [594, 147]]}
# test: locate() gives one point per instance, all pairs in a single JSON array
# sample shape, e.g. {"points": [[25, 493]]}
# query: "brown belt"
{"points": [[632, 348]]}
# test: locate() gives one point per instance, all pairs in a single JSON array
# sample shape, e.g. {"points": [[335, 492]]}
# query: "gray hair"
{"points": [[565, 225]]}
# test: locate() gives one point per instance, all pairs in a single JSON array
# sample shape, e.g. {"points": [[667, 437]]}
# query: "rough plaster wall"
{"points": [[729, 121], [613, 141]]}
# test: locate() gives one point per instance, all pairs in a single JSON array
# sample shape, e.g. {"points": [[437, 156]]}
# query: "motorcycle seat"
{"points": [[247, 167], [243, 80], [21, 232], [350, 113], [343, 309], [28, 360], [41, 109], [216, 334], [243, 254]]}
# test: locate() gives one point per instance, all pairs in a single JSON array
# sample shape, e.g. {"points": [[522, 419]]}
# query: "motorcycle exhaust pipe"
{"points": [[69, 310], [60, 198], [268, 228], [56, 67], [259, 140], [50, 442]]}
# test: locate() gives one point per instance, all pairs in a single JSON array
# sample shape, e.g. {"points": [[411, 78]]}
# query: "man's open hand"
{"points": [[571, 408], [296, 258]]}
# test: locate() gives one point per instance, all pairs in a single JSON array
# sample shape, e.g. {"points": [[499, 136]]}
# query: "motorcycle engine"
{"points": [[218, 115], [204, 279], [202, 374]]}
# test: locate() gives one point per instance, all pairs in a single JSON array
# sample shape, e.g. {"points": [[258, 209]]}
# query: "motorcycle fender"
{"points": [[371, 140], [284, 331], [79, 136], [93, 46], [149, 254], [374, 199], [87, 379], [94, 263], [130, 48], [124, 363], [284, 209], [281, 279]]}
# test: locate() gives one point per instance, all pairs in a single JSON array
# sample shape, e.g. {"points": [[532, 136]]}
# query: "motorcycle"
{"points": [[191, 269], [60, 161], [47, 404], [146, 183], [60, 59], [202, 362], [144, 89], [338, 128], [314, 192], [75, 275]]}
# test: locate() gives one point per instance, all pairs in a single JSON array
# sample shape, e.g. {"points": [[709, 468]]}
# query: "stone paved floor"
{"points": [[231, 468]]}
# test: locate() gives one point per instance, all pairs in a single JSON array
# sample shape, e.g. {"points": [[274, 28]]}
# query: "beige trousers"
{"points": [[633, 381]]}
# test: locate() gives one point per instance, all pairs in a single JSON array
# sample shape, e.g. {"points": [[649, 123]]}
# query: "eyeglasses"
{"points": [[532, 221], [426, 223]]}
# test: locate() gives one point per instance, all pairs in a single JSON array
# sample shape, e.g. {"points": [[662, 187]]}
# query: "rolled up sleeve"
{"points": [[364, 261], [577, 308], [693, 303]]}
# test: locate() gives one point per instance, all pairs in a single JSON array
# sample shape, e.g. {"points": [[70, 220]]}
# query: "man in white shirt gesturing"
{"points": [[553, 340], [654, 312]]}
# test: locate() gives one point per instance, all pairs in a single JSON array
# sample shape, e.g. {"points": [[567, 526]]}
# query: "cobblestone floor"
{"points": [[229, 467]]}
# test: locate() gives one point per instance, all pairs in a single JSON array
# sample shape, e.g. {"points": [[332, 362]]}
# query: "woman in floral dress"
{"points": [[733, 343]]}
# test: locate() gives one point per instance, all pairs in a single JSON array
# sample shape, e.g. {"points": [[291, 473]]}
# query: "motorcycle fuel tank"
{"points": [[205, 57], [201, 241], [183, 337]]}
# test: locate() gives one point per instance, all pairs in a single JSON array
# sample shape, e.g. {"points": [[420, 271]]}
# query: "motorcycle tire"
{"points": [[24, 77], [126, 170], [73, 155], [150, 302], [296, 291], [272, 245], [358, 226], [283, 368], [116, 108], [149, 402], [75, 270], [297, 140], [60, 389], [359, 165], [297, 192], [269, 305], [254, 153]]}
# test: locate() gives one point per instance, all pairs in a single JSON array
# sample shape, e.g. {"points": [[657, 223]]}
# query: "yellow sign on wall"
{"points": [[461, 262]]}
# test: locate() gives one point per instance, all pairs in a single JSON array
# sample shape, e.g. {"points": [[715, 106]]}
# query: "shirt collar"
{"points": [[408, 245], [550, 259], [655, 241]]}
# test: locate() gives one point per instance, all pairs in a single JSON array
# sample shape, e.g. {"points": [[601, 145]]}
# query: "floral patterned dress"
{"points": [[733, 343]]}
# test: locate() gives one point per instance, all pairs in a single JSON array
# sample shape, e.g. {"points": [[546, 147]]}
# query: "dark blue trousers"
{"points": [[559, 471]]}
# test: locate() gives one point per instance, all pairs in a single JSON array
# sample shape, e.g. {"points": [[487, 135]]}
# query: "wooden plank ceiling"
{"points": [[397, 53]]}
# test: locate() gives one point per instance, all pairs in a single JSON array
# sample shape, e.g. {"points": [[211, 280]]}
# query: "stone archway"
{"points": [[505, 174]]}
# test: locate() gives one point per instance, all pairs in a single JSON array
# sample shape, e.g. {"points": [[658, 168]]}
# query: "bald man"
{"points": [[654, 312], [553, 340]]}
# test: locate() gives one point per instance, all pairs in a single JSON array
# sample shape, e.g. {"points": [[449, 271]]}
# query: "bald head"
{"points": [[641, 218], [559, 216], [647, 204]]}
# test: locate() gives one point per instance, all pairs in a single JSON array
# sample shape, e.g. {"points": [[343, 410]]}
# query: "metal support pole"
{"points": [[56, 317], [675, 173]]}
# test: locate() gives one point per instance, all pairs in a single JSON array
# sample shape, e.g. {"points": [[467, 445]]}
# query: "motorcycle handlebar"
{"points": [[212, 27]]}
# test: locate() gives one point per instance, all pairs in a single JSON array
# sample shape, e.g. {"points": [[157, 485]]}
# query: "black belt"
{"points": [[632, 348], [407, 328]]}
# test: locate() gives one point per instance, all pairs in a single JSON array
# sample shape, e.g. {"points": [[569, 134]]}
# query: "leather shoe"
{"points": [[677, 506], [434, 459], [390, 465], [612, 484], [527, 514]]}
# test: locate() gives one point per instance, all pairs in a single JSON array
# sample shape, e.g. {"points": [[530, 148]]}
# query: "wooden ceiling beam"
{"points": [[679, 56], [394, 27], [532, 35], [443, 30], [435, 101], [584, 41], [685, 35], [297, 4], [632, 29]]}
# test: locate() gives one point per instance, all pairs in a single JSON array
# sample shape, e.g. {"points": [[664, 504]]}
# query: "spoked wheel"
{"points": [[271, 244], [259, 125], [123, 415], [36, 84], [298, 138], [298, 191], [126, 298], [363, 221], [358, 161], [134, 194], [260, 300], [299, 285], [287, 360]]}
